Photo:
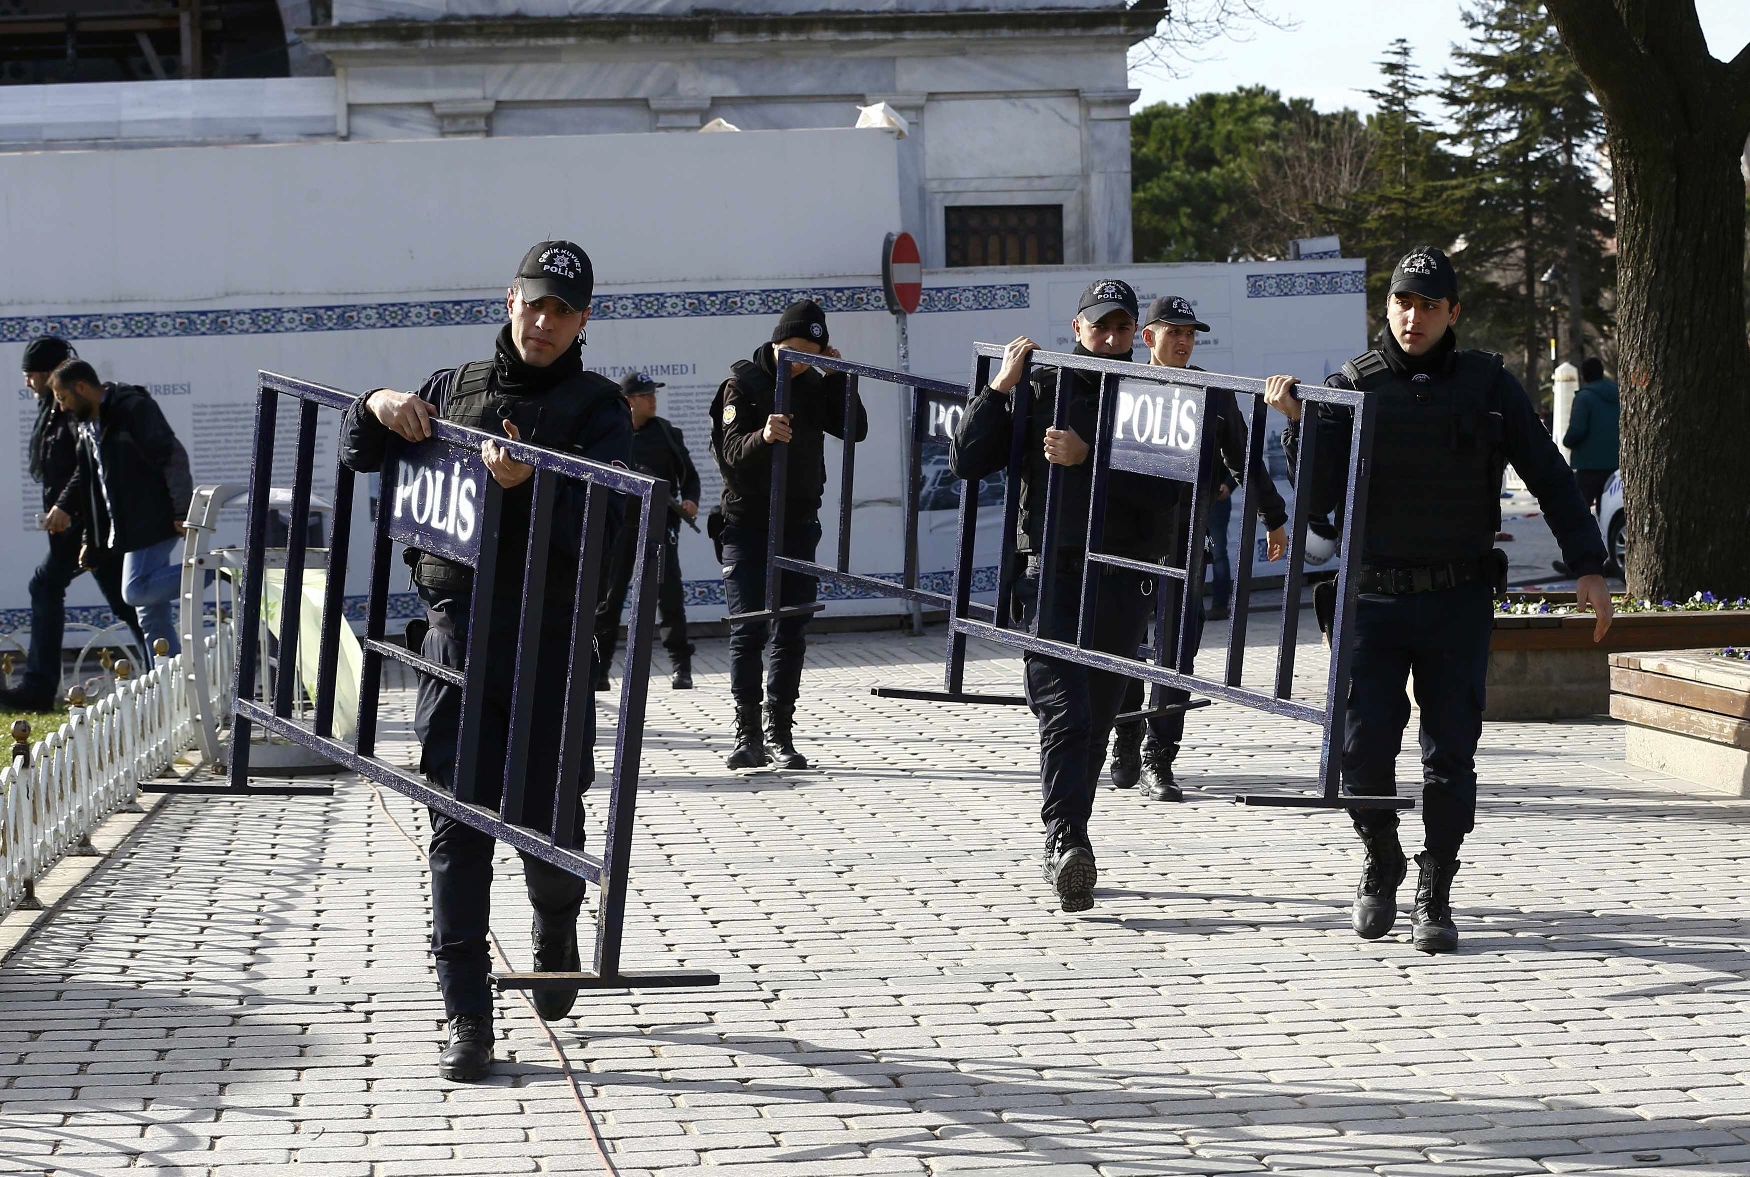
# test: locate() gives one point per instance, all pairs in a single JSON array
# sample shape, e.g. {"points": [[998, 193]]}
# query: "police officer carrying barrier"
{"points": [[535, 389], [1169, 330], [743, 430], [658, 450], [1448, 420], [1074, 705]]}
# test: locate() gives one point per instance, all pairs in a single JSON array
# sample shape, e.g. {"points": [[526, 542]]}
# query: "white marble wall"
{"points": [[200, 111]]}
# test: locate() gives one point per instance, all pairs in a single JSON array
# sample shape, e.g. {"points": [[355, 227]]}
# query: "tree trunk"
{"points": [[1576, 320], [1683, 365], [1677, 122]]}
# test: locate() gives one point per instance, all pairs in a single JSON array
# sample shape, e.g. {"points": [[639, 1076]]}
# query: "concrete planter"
{"points": [[1543, 667], [1688, 713]]}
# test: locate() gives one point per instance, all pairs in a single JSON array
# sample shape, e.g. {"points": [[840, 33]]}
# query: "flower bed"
{"points": [[1543, 663]]}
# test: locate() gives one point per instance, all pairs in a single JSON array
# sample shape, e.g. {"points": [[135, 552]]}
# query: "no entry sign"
{"points": [[902, 273]]}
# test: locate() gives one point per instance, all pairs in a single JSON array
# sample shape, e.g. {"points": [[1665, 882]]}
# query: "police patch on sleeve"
{"points": [[728, 415]]}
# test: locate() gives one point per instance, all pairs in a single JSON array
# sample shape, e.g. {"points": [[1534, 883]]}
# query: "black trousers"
{"points": [[1166, 731], [744, 583], [1441, 640], [1592, 484], [1075, 705], [670, 595], [48, 610], [461, 856]]}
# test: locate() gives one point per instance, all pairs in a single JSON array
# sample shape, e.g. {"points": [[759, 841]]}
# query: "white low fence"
{"points": [[95, 763]]}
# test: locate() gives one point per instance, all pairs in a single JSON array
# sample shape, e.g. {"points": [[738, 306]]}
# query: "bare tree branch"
{"points": [[1191, 25]]}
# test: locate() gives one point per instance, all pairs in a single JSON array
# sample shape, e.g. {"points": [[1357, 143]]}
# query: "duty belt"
{"points": [[1423, 578]]}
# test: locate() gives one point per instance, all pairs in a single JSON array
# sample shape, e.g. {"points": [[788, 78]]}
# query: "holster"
{"points": [[714, 529], [1498, 562]]}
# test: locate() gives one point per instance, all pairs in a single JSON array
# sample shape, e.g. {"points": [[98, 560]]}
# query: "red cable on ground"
{"points": [[595, 1134]]}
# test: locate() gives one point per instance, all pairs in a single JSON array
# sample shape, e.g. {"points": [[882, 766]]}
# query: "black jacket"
{"points": [[54, 459], [817, 407], [659, 451], [1524, 442], [606, 437], [1230, 441], [144, 471], [1141, 511]]}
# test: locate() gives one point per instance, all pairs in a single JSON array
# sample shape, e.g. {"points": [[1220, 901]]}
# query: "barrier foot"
{"points": [[778, 614], [1287, 801], [270, 789], [630, 979], [948, 696], [1164, 709]]}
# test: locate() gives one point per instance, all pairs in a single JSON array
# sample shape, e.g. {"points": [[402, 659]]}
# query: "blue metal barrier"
{"points": [[928, 400], [438, 497], [1152, 421]]}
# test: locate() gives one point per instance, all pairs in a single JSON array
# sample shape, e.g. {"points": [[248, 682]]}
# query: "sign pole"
{"points": [[915, 608], [902, 284]]}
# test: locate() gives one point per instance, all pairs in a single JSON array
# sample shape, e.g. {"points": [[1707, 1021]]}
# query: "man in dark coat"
{"points": [[535, 389], [138, 485], [658, 450], [54, 463]]}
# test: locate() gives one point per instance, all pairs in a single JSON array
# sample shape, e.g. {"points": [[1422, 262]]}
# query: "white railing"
{"points": [[94, 764]]}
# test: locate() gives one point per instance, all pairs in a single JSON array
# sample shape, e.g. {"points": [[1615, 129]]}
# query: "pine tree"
{"points": [[1412, 199], [1526, 118]]}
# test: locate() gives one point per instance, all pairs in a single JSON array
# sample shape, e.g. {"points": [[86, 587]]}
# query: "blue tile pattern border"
{"points": [[1320, 282], [469, 312], [405, 605]]}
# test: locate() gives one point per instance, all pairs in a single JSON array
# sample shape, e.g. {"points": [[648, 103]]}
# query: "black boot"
{"points": [[1376, 898], [1157, 772], [1126, 755], [750, 751], [555, 940], [1069, 866], [780, 726], [682, 679], [1431, 926], [467, 1056]]}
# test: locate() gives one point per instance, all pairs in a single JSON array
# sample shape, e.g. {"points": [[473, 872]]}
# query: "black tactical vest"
{"points": [[554, 419], [1434, 494]]}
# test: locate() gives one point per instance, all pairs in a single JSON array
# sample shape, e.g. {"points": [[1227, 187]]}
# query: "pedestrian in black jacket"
{"points": [[138, 486], [1075, 706], [533, 388], [1447, 420], [658, 450], [743, 430], [54, 463], [1169, 330]]}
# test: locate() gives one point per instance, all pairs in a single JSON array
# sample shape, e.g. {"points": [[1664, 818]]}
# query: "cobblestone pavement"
{"points": [[244, 985]]}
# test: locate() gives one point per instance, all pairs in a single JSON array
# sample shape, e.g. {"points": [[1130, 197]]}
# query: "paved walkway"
{"points": [[243, 986]]}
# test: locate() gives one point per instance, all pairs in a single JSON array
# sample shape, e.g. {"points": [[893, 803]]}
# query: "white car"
{"points": [[1610, 519]]}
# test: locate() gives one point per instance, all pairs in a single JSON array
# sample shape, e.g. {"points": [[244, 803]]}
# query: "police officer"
{"points": [[1169, 331], [54, 463], [534, 388], [658, 450], [1447, 420], [743, 430], [1075, 706]]}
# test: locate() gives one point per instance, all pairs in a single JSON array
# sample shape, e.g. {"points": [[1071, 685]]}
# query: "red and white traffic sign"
{"points": [[902, 273]]}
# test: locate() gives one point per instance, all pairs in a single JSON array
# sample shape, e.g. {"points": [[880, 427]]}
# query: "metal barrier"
{"points": [[438, 497], [1152, 421], [928, 400]]}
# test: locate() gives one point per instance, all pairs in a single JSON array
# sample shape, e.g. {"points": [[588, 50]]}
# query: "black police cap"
{"points": [[1103, 297], [1426, 271], [557, 269], [635, 383], [1174, 311]]}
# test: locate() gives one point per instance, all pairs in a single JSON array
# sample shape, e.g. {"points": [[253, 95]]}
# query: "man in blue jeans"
{"points": [[139, 487], [743, 430], [54, 463]]}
